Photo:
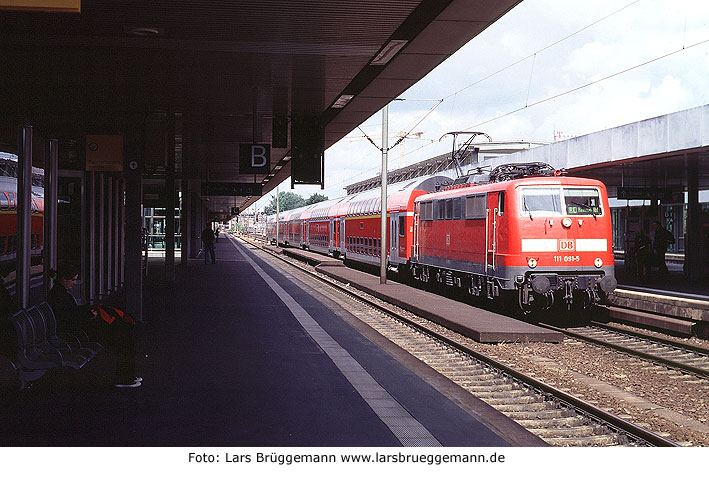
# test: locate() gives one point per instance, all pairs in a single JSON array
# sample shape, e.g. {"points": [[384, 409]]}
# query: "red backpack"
{"points": [[109, 314]]}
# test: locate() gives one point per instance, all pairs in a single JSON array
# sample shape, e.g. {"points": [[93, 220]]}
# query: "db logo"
{"points": [[566, 245]]}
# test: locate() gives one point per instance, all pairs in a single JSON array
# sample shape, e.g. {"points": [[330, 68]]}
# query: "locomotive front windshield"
{"points": [[545, 201]]}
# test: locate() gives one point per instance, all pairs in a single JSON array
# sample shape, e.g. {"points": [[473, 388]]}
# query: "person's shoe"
{"points": [[127, 384]]}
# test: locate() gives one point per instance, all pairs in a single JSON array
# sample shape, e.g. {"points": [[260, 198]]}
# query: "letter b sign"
{"points": [[254, 158]]}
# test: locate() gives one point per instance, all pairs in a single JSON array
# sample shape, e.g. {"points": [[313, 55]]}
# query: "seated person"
{"points": [[70, 316]]}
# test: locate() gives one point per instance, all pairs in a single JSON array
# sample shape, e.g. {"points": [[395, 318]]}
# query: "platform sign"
{"points": [[72, 6], [104, 152], [243, 189], [254, 158]]}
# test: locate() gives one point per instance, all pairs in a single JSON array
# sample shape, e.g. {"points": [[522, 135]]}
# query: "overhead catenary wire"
{"points": [[591, 83]]}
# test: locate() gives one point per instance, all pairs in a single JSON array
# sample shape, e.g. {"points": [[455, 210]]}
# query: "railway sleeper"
{"points": [[541, 415], [520, 400], [486, 389], [563, 422], [520, 406], [590, 441], [485, 382], [566, 432], [510, 393]]}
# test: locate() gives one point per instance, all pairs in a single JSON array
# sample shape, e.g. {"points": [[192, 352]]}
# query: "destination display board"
{"points": [[644, 193], [243, 189]]}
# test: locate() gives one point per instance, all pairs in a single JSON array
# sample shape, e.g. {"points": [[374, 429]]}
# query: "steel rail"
{"points": [[588, 408], [650, 357]]}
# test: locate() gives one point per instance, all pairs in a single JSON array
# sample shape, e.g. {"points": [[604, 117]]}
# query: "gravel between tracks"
{"points": [[666, 402]]}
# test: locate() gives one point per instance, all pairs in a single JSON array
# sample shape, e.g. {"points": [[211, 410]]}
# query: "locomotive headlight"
{"points": [[532, 262], [566, 222], [598, 263]]}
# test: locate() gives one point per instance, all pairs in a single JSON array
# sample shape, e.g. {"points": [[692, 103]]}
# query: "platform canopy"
{"points": [[218, 75]]}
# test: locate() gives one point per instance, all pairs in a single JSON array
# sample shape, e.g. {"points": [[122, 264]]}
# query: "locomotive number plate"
{"points": [[566, 245], [566, 258]]}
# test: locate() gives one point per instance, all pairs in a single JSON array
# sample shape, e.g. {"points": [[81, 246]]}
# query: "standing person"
{"points": [[662, 239], [208, 241], [70, 316], [643, 255]]}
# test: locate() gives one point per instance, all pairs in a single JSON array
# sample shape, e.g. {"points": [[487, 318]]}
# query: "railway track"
{"points": [[557, 417], [674, 355]]}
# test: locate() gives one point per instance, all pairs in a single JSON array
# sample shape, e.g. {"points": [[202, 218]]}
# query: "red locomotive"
{"points": [[524, 230]]}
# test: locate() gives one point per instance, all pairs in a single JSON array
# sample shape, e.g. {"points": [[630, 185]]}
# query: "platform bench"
{"points": [[41, 348]]}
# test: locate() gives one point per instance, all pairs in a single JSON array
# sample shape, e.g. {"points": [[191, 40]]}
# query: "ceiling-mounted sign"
{"points": [[42, 5], [254, 158], [104, 152], [642, 193], [244, 189]]}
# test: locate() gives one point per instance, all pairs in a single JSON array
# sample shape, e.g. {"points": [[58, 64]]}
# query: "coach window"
{"points": [[4, 201]]}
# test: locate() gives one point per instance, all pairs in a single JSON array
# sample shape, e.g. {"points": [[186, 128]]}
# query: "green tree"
{"points": [[286, 201], [315, 198]]}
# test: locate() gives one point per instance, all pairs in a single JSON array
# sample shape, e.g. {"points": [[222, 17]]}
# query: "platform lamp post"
{"points": [[277, 212]]}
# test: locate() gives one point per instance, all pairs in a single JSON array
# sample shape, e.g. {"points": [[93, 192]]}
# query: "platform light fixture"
{"points": [[342, 101], [388, 52]]}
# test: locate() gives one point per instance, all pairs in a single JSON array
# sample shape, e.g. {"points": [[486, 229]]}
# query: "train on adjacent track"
{"points": [[8, 222], [524, 232]]}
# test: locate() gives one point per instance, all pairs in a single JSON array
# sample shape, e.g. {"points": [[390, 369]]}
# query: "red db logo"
{"points": [[566, 245]]}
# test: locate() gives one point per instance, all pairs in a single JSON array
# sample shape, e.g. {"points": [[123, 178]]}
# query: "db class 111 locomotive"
{"points": [[523, 231]]}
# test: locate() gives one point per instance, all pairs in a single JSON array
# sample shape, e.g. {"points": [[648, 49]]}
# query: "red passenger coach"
{"points": [[8, 220], [545, 238], [362, 231]]}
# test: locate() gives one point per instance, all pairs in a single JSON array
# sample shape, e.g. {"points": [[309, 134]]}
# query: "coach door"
{"points": [[491, 232], [394, 238]]}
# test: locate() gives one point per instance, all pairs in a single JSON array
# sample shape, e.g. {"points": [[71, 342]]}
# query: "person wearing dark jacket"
{"points": [[208, 241], [70, 317], [663, 238]]}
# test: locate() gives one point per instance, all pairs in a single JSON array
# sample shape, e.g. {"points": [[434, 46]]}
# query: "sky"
{"points": [[548, 69]]}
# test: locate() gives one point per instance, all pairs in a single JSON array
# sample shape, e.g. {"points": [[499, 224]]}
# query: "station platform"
{"points": [[237, 353], [673, 304]]}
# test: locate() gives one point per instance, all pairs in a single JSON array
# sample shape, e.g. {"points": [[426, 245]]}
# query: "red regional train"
{"points": [[525, 231], [8, 221]]}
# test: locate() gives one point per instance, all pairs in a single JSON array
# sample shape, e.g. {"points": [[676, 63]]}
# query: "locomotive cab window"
{"points": [[402, 226], [557, 201], [541, 201], [582, 201]]}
